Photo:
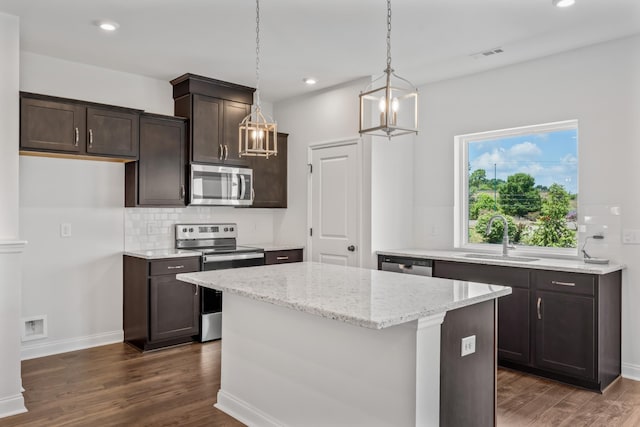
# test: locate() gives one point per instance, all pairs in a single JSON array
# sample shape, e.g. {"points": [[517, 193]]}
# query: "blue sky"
{"points": [[550, 157]]}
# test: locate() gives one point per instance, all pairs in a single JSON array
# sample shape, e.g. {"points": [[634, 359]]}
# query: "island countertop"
{"points": [[367, 298]]}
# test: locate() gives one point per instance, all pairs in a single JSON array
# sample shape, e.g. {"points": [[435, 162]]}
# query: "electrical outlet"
{"points": [[65, 230], [468, 345], [153, 228], [631, 237]]}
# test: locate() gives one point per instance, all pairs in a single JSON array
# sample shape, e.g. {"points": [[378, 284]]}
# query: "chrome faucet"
{"points": [[505, 233]]}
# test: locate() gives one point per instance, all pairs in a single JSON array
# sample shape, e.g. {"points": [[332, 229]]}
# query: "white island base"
{"points": [[285, 367]]}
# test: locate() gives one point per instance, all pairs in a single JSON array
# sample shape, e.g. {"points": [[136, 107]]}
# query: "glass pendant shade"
{"points": [[392, 107], [257, 135]]}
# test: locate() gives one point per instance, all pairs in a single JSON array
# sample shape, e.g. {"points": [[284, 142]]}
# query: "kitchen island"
{"points": [[318, 344]]}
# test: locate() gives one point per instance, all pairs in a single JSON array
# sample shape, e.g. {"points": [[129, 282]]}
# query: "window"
{"points": [[530, 176]]}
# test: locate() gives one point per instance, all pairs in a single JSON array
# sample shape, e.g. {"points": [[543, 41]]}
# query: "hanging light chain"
{"points": [[257, 53], [388, 33]]}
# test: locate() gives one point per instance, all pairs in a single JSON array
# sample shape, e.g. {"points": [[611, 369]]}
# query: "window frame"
{"points": [[461, 188]]}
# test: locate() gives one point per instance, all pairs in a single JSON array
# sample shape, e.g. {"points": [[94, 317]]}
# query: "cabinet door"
{"points": [[173, 308], [270, 178], [513, 310], [565, 333], [112, 132], [52, 126], [161, 172], [206, 129], [234, 112], [513, 326]]}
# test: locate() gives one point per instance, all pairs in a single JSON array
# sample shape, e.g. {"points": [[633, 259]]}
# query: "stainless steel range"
{"points": [[217, 243]]}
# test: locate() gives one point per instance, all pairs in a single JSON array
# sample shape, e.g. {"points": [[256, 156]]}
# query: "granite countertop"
{"points": [[556, 264], [367, 298], [162, 253]]}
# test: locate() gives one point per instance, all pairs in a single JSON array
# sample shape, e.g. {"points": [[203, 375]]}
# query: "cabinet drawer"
{"points": [[281, 257], [174, 265], [571, 283]]}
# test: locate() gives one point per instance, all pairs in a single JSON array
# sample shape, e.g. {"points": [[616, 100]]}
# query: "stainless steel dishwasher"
{"points": [[398, 264]]}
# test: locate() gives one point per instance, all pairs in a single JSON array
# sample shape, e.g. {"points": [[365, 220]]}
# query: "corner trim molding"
{"points": [[631, 371], [244, 412], [12, 246], [12, 405], [49, 348]]}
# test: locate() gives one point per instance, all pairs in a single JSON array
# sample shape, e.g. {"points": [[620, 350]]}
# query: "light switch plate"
{"points": [[468, 345]]}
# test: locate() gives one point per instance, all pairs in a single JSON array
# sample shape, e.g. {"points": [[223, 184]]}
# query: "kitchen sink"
{"points": [[501, 257]]}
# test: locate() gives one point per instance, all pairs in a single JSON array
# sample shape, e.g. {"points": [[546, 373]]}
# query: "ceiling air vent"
{"points": [[489, 52]]}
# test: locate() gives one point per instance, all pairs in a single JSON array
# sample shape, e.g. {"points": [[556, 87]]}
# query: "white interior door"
{"points": [[335, 204]]}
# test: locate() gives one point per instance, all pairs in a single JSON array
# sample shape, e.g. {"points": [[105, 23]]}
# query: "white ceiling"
{"points": [[332, 40]]}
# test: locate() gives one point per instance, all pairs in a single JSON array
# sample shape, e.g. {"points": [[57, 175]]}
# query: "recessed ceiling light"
{"points": [[310, 81], [107, 25], [563, 3]]}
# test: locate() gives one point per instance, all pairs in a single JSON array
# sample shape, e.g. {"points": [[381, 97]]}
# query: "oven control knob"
{"points": [[191, 230], [184, 230], [226, 229], [231, 229]]}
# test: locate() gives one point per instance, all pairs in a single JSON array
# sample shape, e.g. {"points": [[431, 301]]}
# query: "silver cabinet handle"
{"points": [[90, 138], [196, 289], [562, 283], [282, 258], [175, 267], [77, 137], [226, 151], [182, 192], [538, 308], [220, 152], [253, 194]]}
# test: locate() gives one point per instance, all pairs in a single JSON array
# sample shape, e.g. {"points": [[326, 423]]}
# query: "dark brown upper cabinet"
{"points": [[158, 177], [270, 177], [214, 109], [59, 126]]}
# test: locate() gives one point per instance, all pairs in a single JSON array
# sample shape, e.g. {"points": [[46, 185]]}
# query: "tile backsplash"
{"points": [[153, 228]]}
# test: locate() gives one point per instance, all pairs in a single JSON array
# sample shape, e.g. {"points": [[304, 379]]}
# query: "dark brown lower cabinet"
{"points": [[560, 325], [513, 310], [158, 309], [565, 333], [173, 308]]}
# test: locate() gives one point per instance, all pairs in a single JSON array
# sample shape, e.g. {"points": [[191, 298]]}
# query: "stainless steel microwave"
{"points": [[221, 185]]}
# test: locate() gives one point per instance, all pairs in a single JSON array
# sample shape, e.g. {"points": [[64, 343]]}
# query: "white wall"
{"points": [[11, 401], [387, 185], [77, 281], [599, 86]]}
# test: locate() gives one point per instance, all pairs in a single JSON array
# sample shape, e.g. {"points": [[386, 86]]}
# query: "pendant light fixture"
{"points": [[258, 134], [396, 101]]}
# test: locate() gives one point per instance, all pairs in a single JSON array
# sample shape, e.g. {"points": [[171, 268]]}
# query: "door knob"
{"points": [[351, 248]]}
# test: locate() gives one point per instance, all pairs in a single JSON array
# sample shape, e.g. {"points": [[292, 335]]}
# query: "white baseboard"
{"points": [[34, 350], [244, 412], [630, 371], [12, 406]]}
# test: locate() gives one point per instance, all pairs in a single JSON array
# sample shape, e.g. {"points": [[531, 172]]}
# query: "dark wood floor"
{"points": [[116, 385]]}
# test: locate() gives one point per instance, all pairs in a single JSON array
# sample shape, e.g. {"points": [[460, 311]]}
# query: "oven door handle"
{"points": [[234, 257]]}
